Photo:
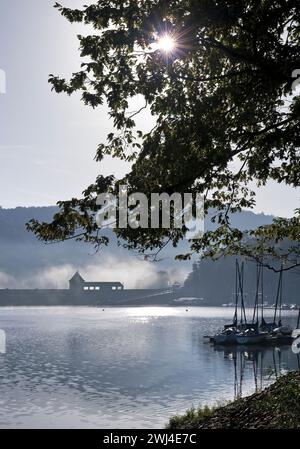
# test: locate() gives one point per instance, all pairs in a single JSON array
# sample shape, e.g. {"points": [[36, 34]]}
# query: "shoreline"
{"points": [[275, 407], [123, 306]]}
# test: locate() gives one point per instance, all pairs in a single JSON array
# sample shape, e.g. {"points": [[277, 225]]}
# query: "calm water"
{"points": [[121, 368]]}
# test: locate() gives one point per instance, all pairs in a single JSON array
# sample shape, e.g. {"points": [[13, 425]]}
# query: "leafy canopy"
{"points": [[224, 108]]}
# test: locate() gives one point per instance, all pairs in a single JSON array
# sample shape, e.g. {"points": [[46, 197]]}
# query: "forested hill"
{"points": [[12, 221]]}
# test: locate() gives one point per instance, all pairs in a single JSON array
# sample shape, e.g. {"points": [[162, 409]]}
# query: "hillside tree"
{"points": [[219, 80]]}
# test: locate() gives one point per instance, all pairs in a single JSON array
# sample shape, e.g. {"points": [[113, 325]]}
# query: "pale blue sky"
{"points": [[48, 141]]}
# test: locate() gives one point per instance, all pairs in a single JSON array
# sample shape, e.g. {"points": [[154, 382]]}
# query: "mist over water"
{"points": [[121, 367]]}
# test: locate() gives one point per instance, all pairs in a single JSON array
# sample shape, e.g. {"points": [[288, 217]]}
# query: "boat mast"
{"points": [[280, 296], [235, 318], [278, 304], [241, 285], [255, 310], [262, 293]]}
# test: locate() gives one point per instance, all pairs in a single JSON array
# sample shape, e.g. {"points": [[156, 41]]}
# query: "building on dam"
{"points": [[83, 293]]}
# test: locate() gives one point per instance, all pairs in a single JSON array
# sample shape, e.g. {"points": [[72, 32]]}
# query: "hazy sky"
{"points": [[48, 141]]}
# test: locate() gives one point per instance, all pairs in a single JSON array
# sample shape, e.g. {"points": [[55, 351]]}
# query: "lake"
{"points": [[122, 367]]}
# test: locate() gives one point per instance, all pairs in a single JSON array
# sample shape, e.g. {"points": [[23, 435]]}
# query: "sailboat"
{"points": [[258, 331], [228, 335], [251, 337], [254, 334], [281, 333]]}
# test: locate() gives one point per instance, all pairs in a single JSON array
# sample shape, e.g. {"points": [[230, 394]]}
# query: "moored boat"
{"points": [[226, 337], [251, 338], [258, 331]]}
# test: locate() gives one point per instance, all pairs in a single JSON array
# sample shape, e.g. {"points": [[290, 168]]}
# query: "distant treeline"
{"points": [[215, 282]]}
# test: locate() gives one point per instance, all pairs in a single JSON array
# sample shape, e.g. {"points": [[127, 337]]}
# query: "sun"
{"points": [[167, 43]]}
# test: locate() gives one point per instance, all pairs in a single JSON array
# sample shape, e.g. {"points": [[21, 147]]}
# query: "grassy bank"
{"points": [[276, 407]]}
